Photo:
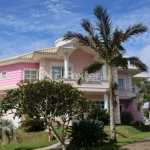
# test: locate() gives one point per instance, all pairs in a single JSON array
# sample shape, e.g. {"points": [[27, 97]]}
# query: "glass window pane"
{"points": [[62, 71], [30, 75], [56, 72], [33, 80], [102, 102], [121, 84], [27, 76], [33, 77], [4, 74], [33, 72], [27, 71], [27, 80]]}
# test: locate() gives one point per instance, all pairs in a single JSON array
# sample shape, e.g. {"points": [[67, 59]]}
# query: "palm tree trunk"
{"points": [[112, 113], [149, 114]]}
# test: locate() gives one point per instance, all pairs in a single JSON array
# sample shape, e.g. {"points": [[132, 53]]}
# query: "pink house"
{"points": [[67, 60]]}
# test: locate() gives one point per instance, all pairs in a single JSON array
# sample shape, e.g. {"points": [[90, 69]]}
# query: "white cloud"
{"points": [[58, 8], [54, 0], [129, 18]]}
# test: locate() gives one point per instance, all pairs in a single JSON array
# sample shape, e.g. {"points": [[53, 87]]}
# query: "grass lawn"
{"points": [[125, 135], [30, 140]]}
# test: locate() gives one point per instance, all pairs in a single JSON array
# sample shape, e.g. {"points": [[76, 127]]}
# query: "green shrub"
{"points": [[87, 133], [31, 124], [146, 114], [126, 118], [99, 114]]}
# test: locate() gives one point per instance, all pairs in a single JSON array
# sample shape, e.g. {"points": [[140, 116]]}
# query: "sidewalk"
{"points": [[140, 145], [54, 146]]}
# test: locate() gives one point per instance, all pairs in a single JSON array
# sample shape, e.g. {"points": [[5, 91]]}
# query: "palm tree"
{"points": [[143, 95], [108, 45], [7, 130]]}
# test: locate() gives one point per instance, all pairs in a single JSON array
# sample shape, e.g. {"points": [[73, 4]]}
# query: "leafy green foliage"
{"points": [[126, 118], [144, 92], [146, 114], [32, 124], [87, 133], [99, 114], [47, 99], [6, 127]]}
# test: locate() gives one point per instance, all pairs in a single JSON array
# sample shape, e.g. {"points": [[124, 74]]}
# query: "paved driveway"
{"points": [[141, 145]]}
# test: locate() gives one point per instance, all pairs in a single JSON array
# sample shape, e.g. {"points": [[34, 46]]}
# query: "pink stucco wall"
{"points": [[95, 96], [15, 72], [131, 107], [126, 77], [80, 59]]}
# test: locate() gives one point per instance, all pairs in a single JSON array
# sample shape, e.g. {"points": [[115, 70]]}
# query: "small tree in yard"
{"points": [[47, 99]]}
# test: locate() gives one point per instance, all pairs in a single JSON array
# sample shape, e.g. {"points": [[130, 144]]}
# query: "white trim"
{"points": [[30, 69], [60, 64], [124, 81], [42, 69], [106, 102], [2, 76]]}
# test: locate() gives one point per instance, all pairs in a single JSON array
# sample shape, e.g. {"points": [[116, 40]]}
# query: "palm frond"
{"points": [[141, 103], [91, 68], [116, 41], [91, 41], [135, 29], [136, 62], [120, 61], [88, 26], [104, 24]]}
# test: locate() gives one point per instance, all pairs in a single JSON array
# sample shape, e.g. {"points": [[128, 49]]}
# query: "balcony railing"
{"points": [[90, 78], [127, 89]]}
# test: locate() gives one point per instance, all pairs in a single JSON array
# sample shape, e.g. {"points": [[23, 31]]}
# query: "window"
{"points": [[58, 72], [30, 75], [99, 103], [121, 83], [4, 75], [121, 108]]}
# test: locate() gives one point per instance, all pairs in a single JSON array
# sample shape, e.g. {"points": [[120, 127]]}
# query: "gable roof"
{"points": [[52, 50], [141, 76]]}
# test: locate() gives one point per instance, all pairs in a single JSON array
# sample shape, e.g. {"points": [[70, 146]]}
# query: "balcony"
{"points": [[126, 93], [91, 84]]}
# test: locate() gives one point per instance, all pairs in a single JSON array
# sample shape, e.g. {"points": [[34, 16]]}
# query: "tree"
{"points": [[7, 130], [47, 99], [143, 95], [108, 45]]}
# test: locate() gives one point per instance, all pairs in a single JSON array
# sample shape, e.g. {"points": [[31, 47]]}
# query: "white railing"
{"points": [[76, 77], [127, 89]]}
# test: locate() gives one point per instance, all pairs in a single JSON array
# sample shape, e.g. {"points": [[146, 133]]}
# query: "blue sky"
{"points": [[26, 25]]}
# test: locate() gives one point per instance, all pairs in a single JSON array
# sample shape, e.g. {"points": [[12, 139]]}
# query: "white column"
{"points": [[104, 69], [42, 69], [66, 65], [118, 120], [142, 113], [106, 106], [130, 82]]}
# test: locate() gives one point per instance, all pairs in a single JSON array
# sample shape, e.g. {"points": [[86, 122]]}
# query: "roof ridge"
{"points": [[46, 48], [29, 55]]}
